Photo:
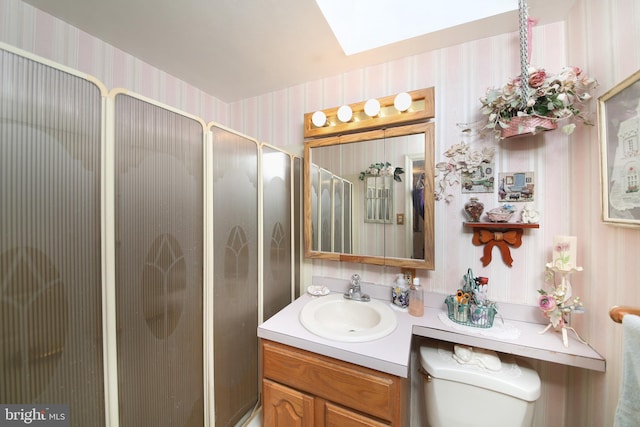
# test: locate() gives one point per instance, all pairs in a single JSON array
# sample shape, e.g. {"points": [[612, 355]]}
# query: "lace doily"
{"points": [[499, 330]]}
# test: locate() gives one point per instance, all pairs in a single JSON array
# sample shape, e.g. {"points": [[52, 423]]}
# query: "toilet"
{"points": [[475, 387]]}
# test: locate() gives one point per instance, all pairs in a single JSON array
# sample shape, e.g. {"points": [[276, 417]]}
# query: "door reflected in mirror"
{"points": [[378, 199]]}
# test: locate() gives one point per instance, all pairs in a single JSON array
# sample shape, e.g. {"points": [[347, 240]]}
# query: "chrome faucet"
{"points": [[354, 292]]}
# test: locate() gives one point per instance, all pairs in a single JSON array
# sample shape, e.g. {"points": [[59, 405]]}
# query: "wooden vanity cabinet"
{"points": [[301, 388]]}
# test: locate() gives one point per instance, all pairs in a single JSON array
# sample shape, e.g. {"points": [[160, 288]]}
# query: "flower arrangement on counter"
{"points": [[554, 96], [382, 169], [470, 305], [461, 158], [558, 303]]}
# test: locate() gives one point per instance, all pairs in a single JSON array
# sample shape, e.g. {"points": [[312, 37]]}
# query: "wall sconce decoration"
{"points": [[558, 302], [403, 108]]}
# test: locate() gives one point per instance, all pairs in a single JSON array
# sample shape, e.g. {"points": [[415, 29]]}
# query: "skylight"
{"points": [[361, 25]]}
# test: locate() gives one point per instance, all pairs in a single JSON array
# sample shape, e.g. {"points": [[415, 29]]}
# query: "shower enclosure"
{"points": [[136, 255]]}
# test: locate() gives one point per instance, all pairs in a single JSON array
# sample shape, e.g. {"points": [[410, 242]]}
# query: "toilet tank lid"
{"points": [[515, 379]]}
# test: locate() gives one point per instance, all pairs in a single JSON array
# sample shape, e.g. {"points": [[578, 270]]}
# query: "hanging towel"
{"points": [[628, 410]]}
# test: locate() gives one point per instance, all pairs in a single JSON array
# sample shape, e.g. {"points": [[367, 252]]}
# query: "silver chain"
{"points": [[524, 50]]}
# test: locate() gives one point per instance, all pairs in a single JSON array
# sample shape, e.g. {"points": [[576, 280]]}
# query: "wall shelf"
{"points": [[504, 235]]}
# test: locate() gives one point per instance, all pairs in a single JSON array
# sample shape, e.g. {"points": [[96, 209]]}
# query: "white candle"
{"points": [[564, 252]]}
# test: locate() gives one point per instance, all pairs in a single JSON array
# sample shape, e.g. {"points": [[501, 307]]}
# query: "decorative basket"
{"points": [[470, 314], [527, 125]]}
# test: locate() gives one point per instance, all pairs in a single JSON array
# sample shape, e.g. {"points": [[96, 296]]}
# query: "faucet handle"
{"points": [[355, 279]]}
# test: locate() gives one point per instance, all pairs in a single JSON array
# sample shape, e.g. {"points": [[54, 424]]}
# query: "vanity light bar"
{"points": [[393, 110]]}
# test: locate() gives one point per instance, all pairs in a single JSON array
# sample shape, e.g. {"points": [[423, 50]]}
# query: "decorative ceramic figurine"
{"points": [[499, 215], [530, 215]]}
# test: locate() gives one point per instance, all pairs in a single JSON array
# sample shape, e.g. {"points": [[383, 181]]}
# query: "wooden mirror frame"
{"points": [[389, 127]]}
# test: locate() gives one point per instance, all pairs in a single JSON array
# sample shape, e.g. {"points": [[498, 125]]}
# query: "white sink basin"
{"points": [[336, 318]]}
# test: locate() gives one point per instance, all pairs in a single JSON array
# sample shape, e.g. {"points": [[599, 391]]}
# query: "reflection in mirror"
{"points": [[337, 186], [405, 237], [325, 211], [371, 218], [314, 180], [378, 199]]}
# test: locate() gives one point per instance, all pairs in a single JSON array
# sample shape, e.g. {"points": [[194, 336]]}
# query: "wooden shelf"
{"points": [[500, 225], [504, 235]]}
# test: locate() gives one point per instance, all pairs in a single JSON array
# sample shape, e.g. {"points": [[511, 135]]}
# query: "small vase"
{"points": [[474, 209]]}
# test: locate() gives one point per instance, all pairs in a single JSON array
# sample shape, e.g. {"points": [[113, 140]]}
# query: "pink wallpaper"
{"points": [[457, 93], [600, 36], [567, 172], [603, 38], [34, 31]]}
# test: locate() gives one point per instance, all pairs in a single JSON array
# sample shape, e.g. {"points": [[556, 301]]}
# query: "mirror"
{"points": [[378, 198], [367, 199]]}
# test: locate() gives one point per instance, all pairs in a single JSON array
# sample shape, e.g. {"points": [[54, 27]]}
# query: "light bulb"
{"points": [[402, 101], [319, 119], [345, 113], [372, 107]]}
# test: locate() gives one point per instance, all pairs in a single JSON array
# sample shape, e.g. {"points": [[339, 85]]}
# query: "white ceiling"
{"points": [[237, 49]]}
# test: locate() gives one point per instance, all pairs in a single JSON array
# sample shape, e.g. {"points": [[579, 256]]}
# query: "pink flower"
{"points": [[537, 78], [546, 302]]}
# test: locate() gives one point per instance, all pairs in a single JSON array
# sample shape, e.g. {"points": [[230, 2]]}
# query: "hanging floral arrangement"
{"points": [[382, 169], [536, 100], [545, 96]]}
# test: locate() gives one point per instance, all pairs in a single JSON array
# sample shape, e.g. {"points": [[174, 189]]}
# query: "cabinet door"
{"points": [[337, 416], [286, 407]]}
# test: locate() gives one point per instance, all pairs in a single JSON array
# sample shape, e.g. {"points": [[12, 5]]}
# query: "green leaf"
{"points": [[568, 129]]}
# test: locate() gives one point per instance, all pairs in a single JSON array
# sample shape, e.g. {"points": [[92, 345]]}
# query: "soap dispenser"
{"points": [[416, 299], [400, 292]]}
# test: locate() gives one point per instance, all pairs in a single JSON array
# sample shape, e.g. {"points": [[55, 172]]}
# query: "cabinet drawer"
{"points": [[337, 416], [372, 392]]}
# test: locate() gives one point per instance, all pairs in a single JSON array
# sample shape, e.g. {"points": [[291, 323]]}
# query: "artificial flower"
{"points": [[382, 169], [461, 159], [546, 302], [556, 304], [557, 97]]}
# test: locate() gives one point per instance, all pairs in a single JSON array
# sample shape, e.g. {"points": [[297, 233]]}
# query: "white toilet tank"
{"points": [[478, 389]]}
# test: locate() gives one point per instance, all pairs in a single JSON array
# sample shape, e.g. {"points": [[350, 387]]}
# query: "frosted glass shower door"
{"points": [[50, 259], [277, 277], [235, 258], [159, 157], [298, 224]]}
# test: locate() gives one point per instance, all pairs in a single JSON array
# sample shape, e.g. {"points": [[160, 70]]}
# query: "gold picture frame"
{"points": [[619, 133]]}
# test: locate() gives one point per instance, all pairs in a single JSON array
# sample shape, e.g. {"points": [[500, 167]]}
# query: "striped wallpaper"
{"points": [[600, 36]]}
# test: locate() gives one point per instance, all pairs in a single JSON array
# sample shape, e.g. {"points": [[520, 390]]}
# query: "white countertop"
{"points": [[391, 354]]}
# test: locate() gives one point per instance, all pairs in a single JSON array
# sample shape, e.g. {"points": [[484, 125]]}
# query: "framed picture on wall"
{"points": [[619, 120], [481, 180], [516, 187]]}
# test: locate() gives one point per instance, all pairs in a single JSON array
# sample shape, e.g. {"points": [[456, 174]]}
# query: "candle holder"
{"points": [[558, 304]]}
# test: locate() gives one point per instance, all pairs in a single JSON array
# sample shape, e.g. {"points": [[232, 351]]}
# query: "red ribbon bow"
{"points": [[501, 239]]}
